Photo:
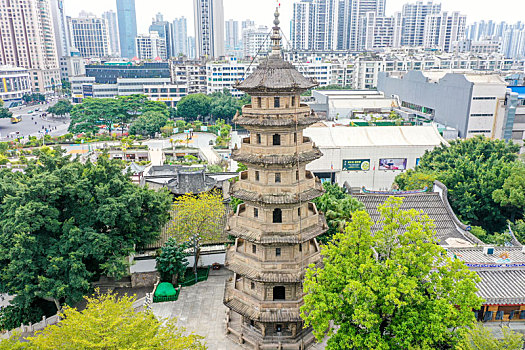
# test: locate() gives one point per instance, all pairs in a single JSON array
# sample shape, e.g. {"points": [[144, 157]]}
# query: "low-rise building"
{"points": [[15, 82], [370, 156], [472, 103]]}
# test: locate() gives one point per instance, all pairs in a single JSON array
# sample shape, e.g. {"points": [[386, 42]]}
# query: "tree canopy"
{"points": [[172, 262], [479, 337], [197, 219], [394, 289], [148, 124], [109, 322], [192, 106], [475, 171], [62, 107], [63, 224], [4, 112]]}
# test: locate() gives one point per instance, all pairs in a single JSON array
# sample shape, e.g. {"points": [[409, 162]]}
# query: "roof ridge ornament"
{"points": [[276, 35]]}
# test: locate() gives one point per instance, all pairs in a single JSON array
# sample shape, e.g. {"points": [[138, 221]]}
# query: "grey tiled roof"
{"points": [[502, 286], [275, 75], [475, 255], [430, 203]]}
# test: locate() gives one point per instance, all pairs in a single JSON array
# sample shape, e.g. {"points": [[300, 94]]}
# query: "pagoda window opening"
{"points": [[277, 251], [298, 211], [254, 249], [256, 175], [259, 102], [258, 137], [276, 102], [300, 247], [297, 175], [276, 140], [295, 137], [252, 286], [278, 328], [293, 101], [277, 216], [279, 293], [252, 322], [255, 212], [277, 177]]}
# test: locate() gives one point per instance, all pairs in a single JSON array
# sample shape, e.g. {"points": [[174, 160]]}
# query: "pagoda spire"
{"points": [[276, 35]]}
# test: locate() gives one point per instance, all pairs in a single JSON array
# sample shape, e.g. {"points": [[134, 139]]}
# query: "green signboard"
{"points": [[356, 164]]}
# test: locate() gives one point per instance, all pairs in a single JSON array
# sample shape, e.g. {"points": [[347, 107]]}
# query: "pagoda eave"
{"points": [[305, 196], [281, 160], [270, 121]]}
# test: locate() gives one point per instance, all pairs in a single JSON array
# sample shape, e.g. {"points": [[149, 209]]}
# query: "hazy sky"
{"points": [[261, 11]]}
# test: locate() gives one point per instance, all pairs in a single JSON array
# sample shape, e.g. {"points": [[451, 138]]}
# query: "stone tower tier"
{"points": [[281, 237], [286, 161], [300, 116]]}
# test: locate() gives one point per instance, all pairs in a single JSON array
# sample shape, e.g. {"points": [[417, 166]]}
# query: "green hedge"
{"points": [[189, 276]]}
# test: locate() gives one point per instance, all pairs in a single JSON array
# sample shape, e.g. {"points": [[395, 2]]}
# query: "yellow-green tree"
{"points": [[479, 337], [197, 218], [109, 322]]}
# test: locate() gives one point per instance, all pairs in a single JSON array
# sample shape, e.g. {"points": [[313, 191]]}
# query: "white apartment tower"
{"points": [[302, 28], [114, 39], [378, 32], [180, 37], [443, 30], [90, 35], [27, 40], [256, 41], [232, 34], [359, 8], [151, 46], [414, 17], [209, 28], [63, 44]]}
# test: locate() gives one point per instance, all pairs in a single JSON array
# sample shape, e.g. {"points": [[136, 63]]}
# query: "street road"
{"points": [[28, 127]]}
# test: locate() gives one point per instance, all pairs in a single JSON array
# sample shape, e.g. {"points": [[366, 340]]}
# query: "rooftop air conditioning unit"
{"points": [[488, 250]]}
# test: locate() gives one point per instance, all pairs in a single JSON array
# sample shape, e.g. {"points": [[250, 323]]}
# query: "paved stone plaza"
{"points": [[200, 310]]}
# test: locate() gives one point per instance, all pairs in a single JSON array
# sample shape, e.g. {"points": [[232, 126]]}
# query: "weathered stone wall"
{"points": [[144, 279]]}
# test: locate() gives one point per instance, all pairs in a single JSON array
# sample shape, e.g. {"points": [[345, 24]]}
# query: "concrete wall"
{"points": [[450, 98]]}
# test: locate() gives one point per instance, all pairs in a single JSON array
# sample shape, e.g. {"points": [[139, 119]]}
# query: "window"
{"points": [[252, 285], [293, 100], [482, 115], [256, 175], [252, 323], [298, 211], [277, 216], [259, 102], [277, 251], [300, 247], [258, 136], [254, 249], [277, 177], [297, 175], [294, 137], [276, 139], [255, 212], [279, 293], [483, 98], [276, 102], [278, 328]]}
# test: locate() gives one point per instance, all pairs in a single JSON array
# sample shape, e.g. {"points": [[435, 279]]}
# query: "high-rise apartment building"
{"points": [[378, 32], [127, 26], [180, 37], [27, 40], [302, 26], [414, 16], [63, 44], [209, 28], [90, 35], [232, 34], [151, 46], [165, 30], [358, 9], [192, 51], [247, 24], [443, 30], [114, 41], [256, 41]]}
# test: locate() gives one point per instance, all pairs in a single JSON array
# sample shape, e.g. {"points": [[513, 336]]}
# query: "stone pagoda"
{"points": [[276, 226]]}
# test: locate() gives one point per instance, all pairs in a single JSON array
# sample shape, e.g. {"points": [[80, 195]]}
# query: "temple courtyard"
{"points": [[200, 310]]}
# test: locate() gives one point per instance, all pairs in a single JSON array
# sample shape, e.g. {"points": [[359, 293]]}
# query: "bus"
{"points": [[16, 119]]}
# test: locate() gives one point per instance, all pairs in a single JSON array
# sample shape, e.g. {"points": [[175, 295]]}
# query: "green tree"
{"points": [[109, 322], [193, 106], [92, 113], [472, 169], [34, 97], [61, 108], [64, 224], [148, 124], [512, 194], [224, 105], [480, 338], [394, 289], [415, 180], [4, 112], [214, 168], [197, 219], [66, 86], [172, 262]]}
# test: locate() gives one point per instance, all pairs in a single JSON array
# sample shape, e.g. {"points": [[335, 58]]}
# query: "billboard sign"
{"points": [[356, 164], [393, 164]]}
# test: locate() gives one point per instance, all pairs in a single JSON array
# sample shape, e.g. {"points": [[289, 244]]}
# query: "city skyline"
{"points": [[237, 10]]}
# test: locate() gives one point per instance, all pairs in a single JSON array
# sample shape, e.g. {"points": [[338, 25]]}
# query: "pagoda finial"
{"points": [[276, 35]]}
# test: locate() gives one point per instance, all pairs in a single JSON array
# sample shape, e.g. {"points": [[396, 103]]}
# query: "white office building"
{"points": [[14, 84], [27, 39], [151, 46], [90, 35], [209, 28], [256, 41]]}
